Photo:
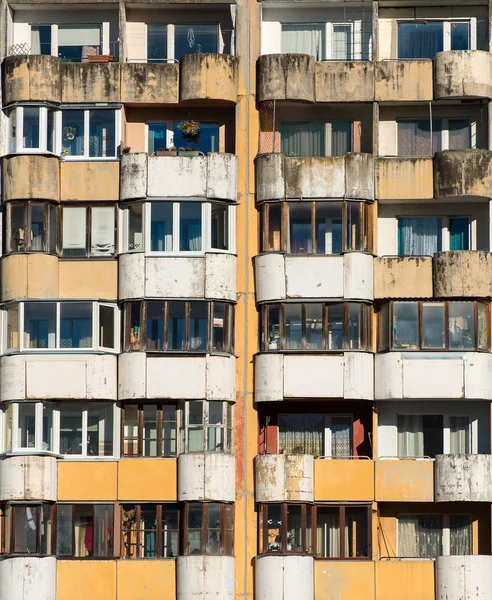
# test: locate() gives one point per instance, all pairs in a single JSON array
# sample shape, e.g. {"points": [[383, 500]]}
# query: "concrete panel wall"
{"points": [[284, 577], [133, 176], [28, 478], [28, 578], [205, 577], [31, 78], [269, 377], [343, 480], [459, 274], [89, 180], [29, 276], [463, 173], [463, 577], [413, 579], [403, 277], [204, 476], [208, 77], [463, 478], [284, 478], [339, 579], [31, 177], [314, 276], [313, 376], [404, 481], [404, 179]]}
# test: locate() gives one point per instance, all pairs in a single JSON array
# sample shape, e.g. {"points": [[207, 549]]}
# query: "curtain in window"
{"points": [[35, 40], [341, 437], [420, 40], [459, 134], [420, 536], [302, 138], [459, 434], [460, 535], [341, 137], [414, 137], [419, 236], [328, 533], [303, 38], [410, 436], [301, 434]]}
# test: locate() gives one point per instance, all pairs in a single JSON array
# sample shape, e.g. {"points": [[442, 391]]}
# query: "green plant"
{"points": [[190, 130], [70, 132]]}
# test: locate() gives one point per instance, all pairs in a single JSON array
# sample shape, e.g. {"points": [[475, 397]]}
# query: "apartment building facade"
{"points": [[246, 276]]}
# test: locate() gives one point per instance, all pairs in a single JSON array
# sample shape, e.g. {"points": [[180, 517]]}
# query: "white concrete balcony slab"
{"points": [[28, 478], [28, 578], [464, 577], [463, 478], [282, 277], [212, 276], [284, 577], [193, 377], [204, 476], [348, 375], [211, 176], [433, 375], [205, 577], [54, 376], [462, 74], [284, 478]]}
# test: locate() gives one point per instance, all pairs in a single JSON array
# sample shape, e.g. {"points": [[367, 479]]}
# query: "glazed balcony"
{"points": [[463, 478], [461, 74]]}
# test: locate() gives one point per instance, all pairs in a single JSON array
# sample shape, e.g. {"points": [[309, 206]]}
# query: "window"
{"points": [[86, 430], [149, 530], [149, 430], [179, 326], [167, 134], [27, 529], [89, 133], [88, 231], [436, 326], [85, 530], [320, 227], [62, 326], [208, 528], [316, 434], [423, 236], [31, 227], [169, 43], [207, 426], [41, 39], [414, 136], [71, 43], [424, 39], [323, 531], [429, 435], [429, 536], [316, 138], [303, 38], [330, 326], [32, 129], [179, 227]]}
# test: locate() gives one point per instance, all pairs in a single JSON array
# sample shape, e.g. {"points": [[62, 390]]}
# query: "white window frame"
{"points": [[86, 156], [43, 130], [171, 39], [169, 133], [104, 35], [355, 39]]}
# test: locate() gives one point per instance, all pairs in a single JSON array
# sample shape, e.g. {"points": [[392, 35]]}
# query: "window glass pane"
{"points": [[220, 227], [214, 528], [37, 228], [356, 533], [52, 220], [410, 436], [71, 438], [314, 326], [168, 430], [355, 326], [195, 427], [460, 535], [31, 127], [420, 40], [328, 227], [155, 325], [83, 524], [190, 227], [150, 429], [301, 434], [341, 137], [169, 530], [39, 325], [198, 325], [419, 236], [133, 326], [13, 130], [459, 435], [353, 226], [219, 339], [459, 229], [102, 542], [64, 515], [302, 138], [383, 328], [45, 529], [102, 133], [405, 325], [273, 327], [342, 42], [51, 136], [459, 134], [194, 526], [13, 327], [341, 436], [76, 325], [17, 227], [77, 42], [433, 325], [420, 536], [229, 529], [41, 39], [274, 526], [433, 428], [26, 437], [135, 227], [461, 326], [460, 36], [294, 529], [106, 327], [148, 531], [100, 429], [176, 327], [293, 326], [274, 239], [26, 522], [161, 226], [74, 231], [48, 442], [156, 52], [328, 532], [303, 38], [157, 132], [300, 235], [130, 430], [206, 141], [73, 132], [195, 39], [335, 329], [483, 326], [414, 137], [215, 435], [102, 230]]}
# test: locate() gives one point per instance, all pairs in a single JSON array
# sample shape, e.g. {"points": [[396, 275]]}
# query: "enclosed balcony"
{"points": [[468, 577], [460, 74], [463, 478]]}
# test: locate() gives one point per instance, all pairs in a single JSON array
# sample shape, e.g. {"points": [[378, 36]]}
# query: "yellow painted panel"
{"points": [[348, 480], [403, 277], [147, 479], [344, 580], [146, 580], [404, 481], [90, 481], [89, 180], [89, 279], [404, 178], [31, 177], [405, 580], [86, 579]]}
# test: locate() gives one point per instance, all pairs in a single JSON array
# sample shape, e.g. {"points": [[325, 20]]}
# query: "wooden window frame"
{"points": [[138, 531], [140, 429], [205, 529], [27, 206], [110, 528], [8, 545]]}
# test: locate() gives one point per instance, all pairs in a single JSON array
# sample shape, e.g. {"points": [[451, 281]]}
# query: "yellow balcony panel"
{"points": [[89, 180], [344, 81], [150, 84], [403, 81], [87, 481], [29, 276], [31, 177], [343, 480], [84, 579], [286, 77], [405, 580], [88, 279], [208, 77], [461, 273], [146, 580], [90, 82], [404, 481], [344, 580], [147, 479], [31, 78], [404, 179], [403, 277], [462, 74], [463, 173]]}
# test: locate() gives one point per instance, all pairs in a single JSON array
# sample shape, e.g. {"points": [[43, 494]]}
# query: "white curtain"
{"points": [[302, 138], [420, 536], [460, 537], [410, 436], [301, 434], [74, 235], [35, 41], [419, 236], [303, 38], [328, 534], [102, 234], [459, 434]]}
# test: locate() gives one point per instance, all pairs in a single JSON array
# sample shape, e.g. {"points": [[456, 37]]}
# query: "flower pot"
{"points": [[164, 152], [100, 58], [189, 153]]}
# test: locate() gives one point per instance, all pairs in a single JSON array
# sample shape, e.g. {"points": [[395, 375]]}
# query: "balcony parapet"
{"points": [[208, 77], [462, 74], [284, 478], [286, 77], [463, 273], [205, 576], [206, 476], [463, 478], [28, 478], [284, 577], [463, 577], [404, 480], [404, 179], [403, 81], [403, 277], [28, 578], [463, 173], [35, 78], [149, 83]]}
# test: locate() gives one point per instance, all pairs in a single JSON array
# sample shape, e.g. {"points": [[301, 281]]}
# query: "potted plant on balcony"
{"points": [[188, 151], [190, 130], [171, 151]]}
